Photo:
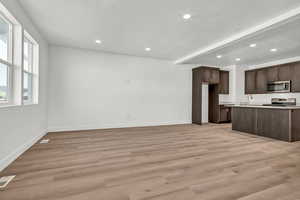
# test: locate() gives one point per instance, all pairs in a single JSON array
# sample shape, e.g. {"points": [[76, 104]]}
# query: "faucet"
{"points": [[250, 98]]}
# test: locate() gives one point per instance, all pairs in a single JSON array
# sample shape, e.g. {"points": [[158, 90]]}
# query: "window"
{"points": [[30, 72], [3, 83], [19, 60], [5, 59], [27, 70]]}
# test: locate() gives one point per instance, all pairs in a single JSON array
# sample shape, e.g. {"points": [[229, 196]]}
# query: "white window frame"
{"points": [[15, 63], [33, 71], [8, 62]]}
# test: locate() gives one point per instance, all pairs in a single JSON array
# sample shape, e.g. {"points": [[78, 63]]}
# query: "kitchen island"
{"points": [[278, 122]]}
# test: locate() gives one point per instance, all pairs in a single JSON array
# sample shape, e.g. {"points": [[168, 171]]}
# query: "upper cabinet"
{"points": [[210, 75], [215, 76], [295, 77], [250, 82], [256, 80], [261, 81], [224, 82], [272, 74], [285, 72], [205, 74]]}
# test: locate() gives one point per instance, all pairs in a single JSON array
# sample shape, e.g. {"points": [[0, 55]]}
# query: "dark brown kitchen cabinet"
{"points": [[261, 81], [272, 74], [285, 72], [281, 124], [210, 75], [279, 73], [213, 114], [225, 114], [256, 80], [295, 125], [215, 76], [250, 82], [197, 97], [295, 77], [244, 119], [205, 74], [273, 123], [224, 82]]}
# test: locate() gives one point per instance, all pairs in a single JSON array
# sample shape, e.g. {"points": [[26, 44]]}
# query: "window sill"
{"points": [[30, 104], [7, 106]]}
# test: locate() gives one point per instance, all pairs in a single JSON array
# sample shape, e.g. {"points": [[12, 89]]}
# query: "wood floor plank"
{"points": [[191, 162]]}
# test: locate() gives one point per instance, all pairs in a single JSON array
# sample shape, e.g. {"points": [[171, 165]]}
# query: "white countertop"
{"points": [[261, 106]]}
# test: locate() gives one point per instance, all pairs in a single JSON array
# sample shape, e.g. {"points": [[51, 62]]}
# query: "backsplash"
{"points": [[256, 98], [266, 98]]}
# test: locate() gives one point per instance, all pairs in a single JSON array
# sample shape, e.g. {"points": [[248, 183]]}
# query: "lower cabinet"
{"points": [[225, 114], [197, 98], [243, 119], [272, 123], [295, 125]]}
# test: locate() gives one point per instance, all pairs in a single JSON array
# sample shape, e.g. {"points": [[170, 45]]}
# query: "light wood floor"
{"points": [[184, 162]]}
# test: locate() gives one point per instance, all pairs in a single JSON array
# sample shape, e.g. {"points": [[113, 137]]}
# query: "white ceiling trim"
{"points": [[262, 27], [273, 63]]}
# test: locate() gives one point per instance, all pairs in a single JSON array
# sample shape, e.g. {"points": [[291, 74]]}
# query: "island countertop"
{"points": [[263, 106]]}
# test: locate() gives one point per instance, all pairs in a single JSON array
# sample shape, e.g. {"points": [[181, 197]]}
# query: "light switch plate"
{"points": [[4, 181]]}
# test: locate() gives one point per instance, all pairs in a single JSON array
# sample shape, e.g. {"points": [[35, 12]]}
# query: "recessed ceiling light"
{"points": [[186, 16], [98, 41], [273, 50], [237, 59], [219, 56], [147, 49], [252, 45]]}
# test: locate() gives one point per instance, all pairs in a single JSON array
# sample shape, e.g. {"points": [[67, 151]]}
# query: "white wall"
{"points": [[205, 99], [229, 98], [93, 90], [21, 126], [236, 85]]}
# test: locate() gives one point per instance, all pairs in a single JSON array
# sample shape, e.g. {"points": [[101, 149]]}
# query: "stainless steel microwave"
{"points": [[279, 87]]}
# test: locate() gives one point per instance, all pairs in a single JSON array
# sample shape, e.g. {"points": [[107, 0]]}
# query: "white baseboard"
{"points": [[108, 126], [5, 162]]}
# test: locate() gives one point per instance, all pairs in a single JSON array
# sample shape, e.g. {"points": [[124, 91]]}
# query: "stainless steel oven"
{"points": [[279, 87]]}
